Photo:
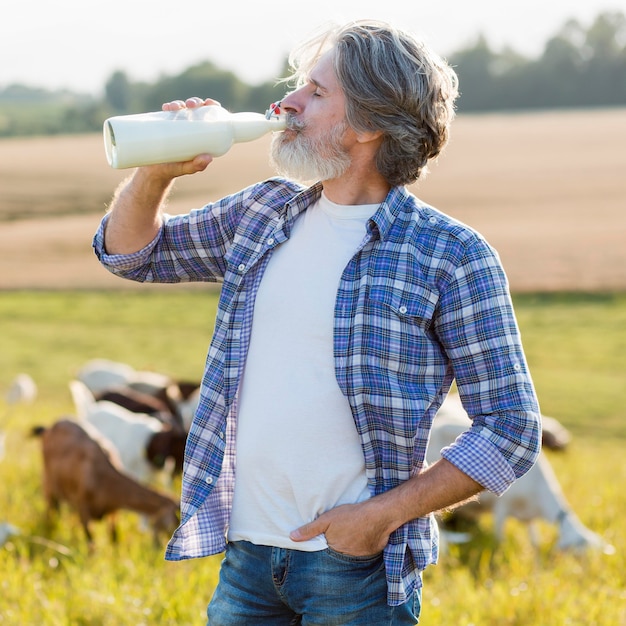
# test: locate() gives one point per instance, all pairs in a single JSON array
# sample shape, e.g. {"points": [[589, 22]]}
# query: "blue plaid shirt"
{"points": [[422, 302]]}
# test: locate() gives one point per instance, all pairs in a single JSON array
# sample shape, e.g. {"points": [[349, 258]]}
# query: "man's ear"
{"points": [[369, 135]]}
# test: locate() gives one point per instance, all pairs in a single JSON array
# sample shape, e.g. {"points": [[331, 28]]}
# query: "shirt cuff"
{"points": [[119, 263], [481, 460]]}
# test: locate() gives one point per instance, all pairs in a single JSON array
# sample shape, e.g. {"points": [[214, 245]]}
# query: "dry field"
{"points": [[548, 190]]}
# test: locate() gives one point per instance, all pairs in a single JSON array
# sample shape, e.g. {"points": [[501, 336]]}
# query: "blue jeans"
{"points": [[266, 586]]}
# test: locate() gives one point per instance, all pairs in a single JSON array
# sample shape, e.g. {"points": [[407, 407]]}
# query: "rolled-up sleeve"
{"points": [[193, 246], [478, 328], [121, 264]]}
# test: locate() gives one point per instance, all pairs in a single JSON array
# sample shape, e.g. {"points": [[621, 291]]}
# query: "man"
{"points": [[347, 310]]}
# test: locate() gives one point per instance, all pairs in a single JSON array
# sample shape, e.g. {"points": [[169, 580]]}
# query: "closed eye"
{"points": [[319, 89]]}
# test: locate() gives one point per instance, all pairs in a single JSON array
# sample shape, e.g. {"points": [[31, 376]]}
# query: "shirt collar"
{"points": [[390, 208], [380, 223], [299, 203]]}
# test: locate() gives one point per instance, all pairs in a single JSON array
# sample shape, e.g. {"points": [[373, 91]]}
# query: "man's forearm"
{"points": [[135, 213], [441, 486], [364, 528]]}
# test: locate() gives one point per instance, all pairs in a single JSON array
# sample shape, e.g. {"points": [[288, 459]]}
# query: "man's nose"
{"points": [[291, 103]]}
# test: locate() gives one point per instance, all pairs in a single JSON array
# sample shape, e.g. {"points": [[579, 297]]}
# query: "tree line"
{"points": [[578, 67]]}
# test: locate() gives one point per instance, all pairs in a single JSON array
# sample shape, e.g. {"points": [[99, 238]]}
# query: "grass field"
{"points": [[575, 345], [547, 189]]}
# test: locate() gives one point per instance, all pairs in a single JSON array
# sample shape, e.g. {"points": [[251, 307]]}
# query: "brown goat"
{"points": [[83, 473]]}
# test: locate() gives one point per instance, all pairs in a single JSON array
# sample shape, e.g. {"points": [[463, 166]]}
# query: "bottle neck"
{"points": [[250, 126]]}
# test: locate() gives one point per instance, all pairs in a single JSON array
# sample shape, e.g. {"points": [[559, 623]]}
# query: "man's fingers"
{"points": [[308, 531]]}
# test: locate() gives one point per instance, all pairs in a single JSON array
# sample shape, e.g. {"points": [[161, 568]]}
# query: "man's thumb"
{"points": [[308, 531]]}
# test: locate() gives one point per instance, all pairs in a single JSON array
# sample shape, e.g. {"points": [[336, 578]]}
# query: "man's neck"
{"points": [[352, 189]]}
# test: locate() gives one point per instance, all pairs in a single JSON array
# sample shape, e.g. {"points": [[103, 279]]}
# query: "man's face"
{"points": [[315, 145]]}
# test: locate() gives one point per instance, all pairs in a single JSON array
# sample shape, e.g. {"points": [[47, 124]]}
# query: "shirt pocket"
{"points": [[397, 331], [406, 305]]}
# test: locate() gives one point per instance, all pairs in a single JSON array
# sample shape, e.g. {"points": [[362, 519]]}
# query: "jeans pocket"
{"points": [[351, 558]]}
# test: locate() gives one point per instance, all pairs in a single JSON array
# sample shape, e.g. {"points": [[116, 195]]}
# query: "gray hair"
{"points": [[392, 83]]}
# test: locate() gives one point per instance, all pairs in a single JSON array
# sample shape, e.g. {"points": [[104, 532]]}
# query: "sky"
{"points": [[78, 44]]}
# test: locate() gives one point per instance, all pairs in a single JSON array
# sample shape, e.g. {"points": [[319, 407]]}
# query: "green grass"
{"points": [[50, 334], [576, 347]]}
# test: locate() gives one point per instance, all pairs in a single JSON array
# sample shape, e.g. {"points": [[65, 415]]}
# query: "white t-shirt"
{"points": [[298, 450]]}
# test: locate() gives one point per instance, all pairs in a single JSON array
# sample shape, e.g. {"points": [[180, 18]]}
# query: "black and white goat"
{"points": [[144, 443]]}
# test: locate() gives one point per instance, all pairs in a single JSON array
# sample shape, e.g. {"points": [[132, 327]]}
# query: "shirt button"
{"points": [[402, 310], [517, 367], [433, 220], [208, 480], [241, 267], [270, 241]]}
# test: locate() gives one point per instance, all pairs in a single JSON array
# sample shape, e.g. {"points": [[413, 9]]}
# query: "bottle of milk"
{"points": [[171, 136]]}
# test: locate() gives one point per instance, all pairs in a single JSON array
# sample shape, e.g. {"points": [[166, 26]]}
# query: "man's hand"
{"points": [[135, 211], [363, 529], [355, 529], [161, 175], [190, 103]]}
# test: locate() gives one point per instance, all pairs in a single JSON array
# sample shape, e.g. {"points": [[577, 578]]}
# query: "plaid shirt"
{"points": [[423, 301]]}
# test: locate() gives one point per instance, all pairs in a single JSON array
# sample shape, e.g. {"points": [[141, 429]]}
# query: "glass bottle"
{"points": [[171, 136]]}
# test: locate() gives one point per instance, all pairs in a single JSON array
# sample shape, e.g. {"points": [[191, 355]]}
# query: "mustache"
{"points": [[293, 123]]}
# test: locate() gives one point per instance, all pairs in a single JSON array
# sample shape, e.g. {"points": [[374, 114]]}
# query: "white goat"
{"points": [[143, 442], [101, 374], [536, 495], [22, 389]]}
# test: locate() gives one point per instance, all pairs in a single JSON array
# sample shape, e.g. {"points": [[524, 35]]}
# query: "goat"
{"points": [[139, 402], [144, 443], [535, 495], [102, 375], [22, 389], [554, 436], [79, 471], [188, 406]]}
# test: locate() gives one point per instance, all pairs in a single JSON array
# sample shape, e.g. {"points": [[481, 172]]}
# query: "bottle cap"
{"points": [[273, 111]]}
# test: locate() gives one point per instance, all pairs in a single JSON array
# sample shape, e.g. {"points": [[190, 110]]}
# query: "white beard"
{"points": [[305, 159]]}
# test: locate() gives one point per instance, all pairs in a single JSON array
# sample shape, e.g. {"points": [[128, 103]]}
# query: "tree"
{"points": [[117, 92], [605, 44], [558, 72], [476, 83], [204, 80], [578, 67]]}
